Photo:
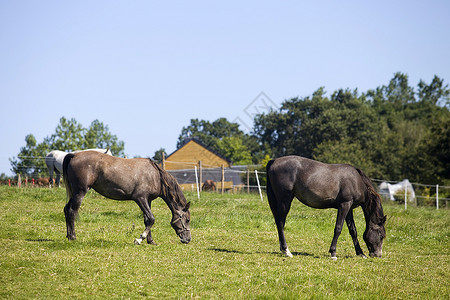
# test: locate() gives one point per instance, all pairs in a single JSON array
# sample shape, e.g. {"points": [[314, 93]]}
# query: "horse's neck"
{"points": [[372, 213], [172, 199]]}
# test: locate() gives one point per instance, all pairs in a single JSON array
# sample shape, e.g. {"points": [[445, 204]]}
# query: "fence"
{"points": [[197, 177], [422, 195], [233, 179]]}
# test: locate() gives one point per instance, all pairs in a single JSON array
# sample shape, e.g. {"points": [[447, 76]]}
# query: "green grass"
{"points": [[233, 253]]}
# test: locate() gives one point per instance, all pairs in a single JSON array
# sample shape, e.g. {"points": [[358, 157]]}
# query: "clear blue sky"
{"points": [[145, 68]]}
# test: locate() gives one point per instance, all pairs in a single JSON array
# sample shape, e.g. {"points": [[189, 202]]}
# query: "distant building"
{"points": [[182, 162], [191, 153]]}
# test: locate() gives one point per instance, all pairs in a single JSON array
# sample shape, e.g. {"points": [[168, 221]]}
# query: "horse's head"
{"points": [[181, 223], [374, 236]]}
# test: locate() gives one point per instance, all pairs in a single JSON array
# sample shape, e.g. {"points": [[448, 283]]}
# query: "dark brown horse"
{"points": [[138, 179], [321, 185], [209, 185]]}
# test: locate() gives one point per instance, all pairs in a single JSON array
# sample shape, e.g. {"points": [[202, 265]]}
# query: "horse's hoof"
{"points": [[334, 258], [363, 256], [287, 253], [152, 242], [137, 241]]}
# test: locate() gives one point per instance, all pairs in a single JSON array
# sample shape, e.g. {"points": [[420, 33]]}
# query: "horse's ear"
{"points": [[187, 206], [383, 220]]}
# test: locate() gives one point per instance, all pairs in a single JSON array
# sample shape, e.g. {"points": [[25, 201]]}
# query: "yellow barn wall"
{"points": [[190, 154]]}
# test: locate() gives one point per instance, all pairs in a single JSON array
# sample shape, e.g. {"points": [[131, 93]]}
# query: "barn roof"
{"points": [[207, 150]]}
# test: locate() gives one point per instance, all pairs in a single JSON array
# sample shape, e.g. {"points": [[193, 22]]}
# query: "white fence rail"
{"points": [[243, 178]]}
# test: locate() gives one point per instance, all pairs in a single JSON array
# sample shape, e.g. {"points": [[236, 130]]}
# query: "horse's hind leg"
{"points": [[280, 207], [71, 211], [352, 229], [58, 178], [50, 180]]}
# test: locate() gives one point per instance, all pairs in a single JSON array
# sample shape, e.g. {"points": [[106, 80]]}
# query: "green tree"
{"points": [[208, 132], [435, 93], [29, 161], [99, 136], [391, 132], [233, 148], [222, 136], [69, 136], [159, 154]]}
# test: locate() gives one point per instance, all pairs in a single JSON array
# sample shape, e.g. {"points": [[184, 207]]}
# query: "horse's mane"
{"points": [[169, 185], [373, 203]]}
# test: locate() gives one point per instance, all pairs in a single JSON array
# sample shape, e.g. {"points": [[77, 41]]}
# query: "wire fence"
{"points": [[235, 179]]}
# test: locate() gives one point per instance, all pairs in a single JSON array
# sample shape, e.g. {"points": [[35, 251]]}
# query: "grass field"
{"points": [[233, 253]]}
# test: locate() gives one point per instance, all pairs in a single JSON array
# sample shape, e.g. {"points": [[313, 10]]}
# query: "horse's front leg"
{"points": [[343, 210], [352, 229], [149, 220]]}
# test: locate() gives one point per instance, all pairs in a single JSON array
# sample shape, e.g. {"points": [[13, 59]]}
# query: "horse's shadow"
{"points": [[39, 240], [228, 251], [259, 252], [301, 254]]}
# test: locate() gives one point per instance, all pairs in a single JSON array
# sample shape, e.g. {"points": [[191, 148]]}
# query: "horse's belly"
{"points": [[316, 198], [113, 193], [318, 202]]}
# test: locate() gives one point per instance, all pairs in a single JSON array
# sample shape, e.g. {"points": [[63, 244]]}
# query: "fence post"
{"points": [[223, 178], [19, 181], [163, 161], [437, 196], [196, 182], [248, 181], [200, 179], [259, 187], [406, 198]]}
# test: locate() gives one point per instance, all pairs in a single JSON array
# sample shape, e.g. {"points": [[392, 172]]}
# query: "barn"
{"points": [[191, 153], [182, 162]]}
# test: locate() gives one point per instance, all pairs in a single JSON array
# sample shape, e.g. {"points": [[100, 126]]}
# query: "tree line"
{"points": [[69, 136], [393, 132]]}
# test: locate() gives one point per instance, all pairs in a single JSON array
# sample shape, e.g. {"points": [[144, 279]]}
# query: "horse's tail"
{"points": [[373, 202], [66, 162], [270, 194]]}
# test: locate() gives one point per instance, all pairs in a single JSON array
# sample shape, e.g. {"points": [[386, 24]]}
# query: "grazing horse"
{"points": [[54, 161], [209, 185], [138, 179], [321, 185]]}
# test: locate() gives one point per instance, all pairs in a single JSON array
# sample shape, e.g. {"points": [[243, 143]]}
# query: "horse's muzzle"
{"points": [[185, 240], [375, 254]]}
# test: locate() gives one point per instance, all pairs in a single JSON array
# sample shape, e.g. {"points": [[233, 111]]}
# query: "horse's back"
{"points": [[113, 177], [314, 183]]}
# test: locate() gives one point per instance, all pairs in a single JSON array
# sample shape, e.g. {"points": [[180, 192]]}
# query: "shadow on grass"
{"points": [[39, 240], [228, 251], [304, 254], [257, 252]]}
